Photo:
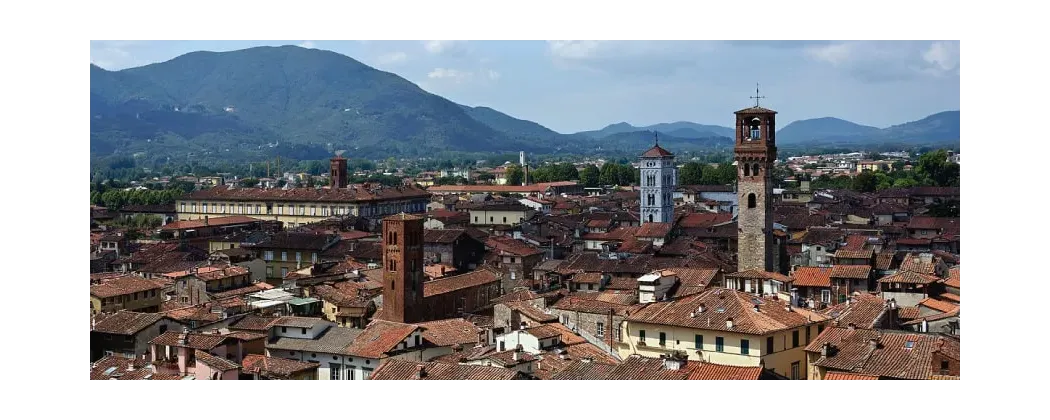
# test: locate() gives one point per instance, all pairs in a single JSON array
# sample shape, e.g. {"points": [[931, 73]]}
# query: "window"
{"points": [[392, 264], [825, 295], [616, 335], [600, 329], [747, 170], [284, 255], [751, 202], [719, 344], [794, 339], [258, 209], [304, 331], [298, 257], [284, 330], [820, 329], [240, 208], [769, 345], [204, 207], [182, 207], [944, 367], [268, 255], [663, 339], [284, 272], [754, 170], [269, 271], [313, 258], [794, 370], [475, 219], [280, 209], [745, 346], [333, 369], [641, 335], [564, 318], [807, 335], [313, 210], [699, 344], [417, 341]]}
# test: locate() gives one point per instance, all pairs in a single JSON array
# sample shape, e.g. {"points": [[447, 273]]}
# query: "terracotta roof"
{"points": [[120, 368], [241, 291], [517, 296], [379, 338], [760, 274], [544, 331], [211, 222], [531, 312], [884, 260], [716, 372], [951, 314], [334, 340], [654, 230], [864, 311], [215, 362], [755, 110], [693, 280], [899, 355], [396, 369], [908, 277], [721, 305], [219, 273], [352, 194], [124, 322], [908, 312], [299, 322], [193, 340], [582, 371], [474, 278], [510, 246], [450, 332], [812, 277], [915, 263], [123, 286], [846, 376], [860, 254], [253, 323], [950, 297], [938, 305], [275, 367], [587, 278], [442, 236], [657, 152], [841, 271]]}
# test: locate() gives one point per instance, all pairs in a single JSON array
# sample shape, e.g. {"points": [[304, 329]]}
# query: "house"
{"points": [[401, 370], [865, 310], [450, 297], [313, 340], [849, 279], [194, 286], [261, 367], [656, 286], [452, 247], [126, 333], [178, 353], [813, 286], [538, 204], [115, 367], [499, 213], [907, 288], [446, 219], [515, 259], [885, 354], [760, 282], [348, 303], [725, 326], [675, 367], [130, 292], [286, 252]]}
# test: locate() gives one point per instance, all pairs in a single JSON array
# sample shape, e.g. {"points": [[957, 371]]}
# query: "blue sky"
{"points": [[571, 86]]}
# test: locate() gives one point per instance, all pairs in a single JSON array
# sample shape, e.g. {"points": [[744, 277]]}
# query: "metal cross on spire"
{"points": [[656, 138], [757, 97]]}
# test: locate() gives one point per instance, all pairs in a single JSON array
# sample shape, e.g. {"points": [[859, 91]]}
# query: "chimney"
{"points": [[852, 326], [787, 307], [873, 344], [700, 309], [131, 366], [182, 338], [421, 371], [215, 331], [825, 349], [517, 352], [893, 304], [756, 308], [205, 220], [729, 323]]}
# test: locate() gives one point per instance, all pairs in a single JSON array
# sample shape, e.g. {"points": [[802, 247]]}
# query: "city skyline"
{"points": [[642, 82]]}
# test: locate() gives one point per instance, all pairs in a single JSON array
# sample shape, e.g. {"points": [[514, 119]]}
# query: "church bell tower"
{"points": [[755, 152], [658, 178]]}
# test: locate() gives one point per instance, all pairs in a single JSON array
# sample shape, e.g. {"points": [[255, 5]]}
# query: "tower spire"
{"points": [[656, 137], [757, 96]]}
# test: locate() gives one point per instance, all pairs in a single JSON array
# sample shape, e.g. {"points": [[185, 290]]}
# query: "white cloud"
{"points": [[395, 57], [115, 55], [445, 47], [456, 76], [880, 61], [307, 44], [493, 75], [638, 57]]}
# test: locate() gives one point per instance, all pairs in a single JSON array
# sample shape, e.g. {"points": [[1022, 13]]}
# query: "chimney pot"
{"points": [[421, 371], [729, 323]]}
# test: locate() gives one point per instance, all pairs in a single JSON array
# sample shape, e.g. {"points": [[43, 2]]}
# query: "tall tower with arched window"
{"points": [[658, 177], [403, 268], [755, 152]]}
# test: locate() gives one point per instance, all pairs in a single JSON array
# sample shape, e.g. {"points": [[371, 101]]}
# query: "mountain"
{"points": [[821, 129], [942, 126], [642, 140], [513, 127], [683, 129], [251, 100]]}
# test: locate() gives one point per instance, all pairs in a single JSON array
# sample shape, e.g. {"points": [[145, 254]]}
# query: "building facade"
{"points": [[755, 152], [402, 268]]}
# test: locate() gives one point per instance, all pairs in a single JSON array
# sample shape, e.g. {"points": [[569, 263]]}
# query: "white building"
{"points": [[658, 180], [654, 286]]}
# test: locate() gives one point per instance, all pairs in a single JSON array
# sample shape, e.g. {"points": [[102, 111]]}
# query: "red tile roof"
{"points": [[275, 367], [950, 297], [510, 246], [379, 338], [396, 369], [953, 277], [450, 332], [721, 305], [864, 311], [716, 372], [846, 376], [759, 274], [193, 340], [812, 277], [841, 271], [352, 193], [215, 362], [938, 305], [908, 277], [703, 220], [211, 222], [124, 322], [654, 230], [859, 254], [657, 152], [123, 286], [474, 278], [899, 355]]}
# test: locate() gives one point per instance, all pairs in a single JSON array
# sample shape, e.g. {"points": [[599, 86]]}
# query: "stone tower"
{"points": [[755, 152], [337, 177], [658, 177], [402, 268]]}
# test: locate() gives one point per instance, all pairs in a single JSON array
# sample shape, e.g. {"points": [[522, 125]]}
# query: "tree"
{"points": [[589, 176], [904, 183], [566, 172], [248, 182], [626, 175], [609, 174], [865, 182], [936, 169], [515, 175], [944, 209], [691, 174]]}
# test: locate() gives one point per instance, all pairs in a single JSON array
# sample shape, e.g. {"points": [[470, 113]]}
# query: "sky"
{"points": [[571, 86]]}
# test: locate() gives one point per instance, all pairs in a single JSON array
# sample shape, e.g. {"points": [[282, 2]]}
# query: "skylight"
{"points": [[909, 344]]}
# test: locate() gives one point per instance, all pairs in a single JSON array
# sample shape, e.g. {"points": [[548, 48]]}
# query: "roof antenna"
{"points": [[656, 138]]}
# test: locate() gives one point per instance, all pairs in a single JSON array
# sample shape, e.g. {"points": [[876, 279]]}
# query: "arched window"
{"points": [[755, 171], [756, 132], [650, 218], [751, 201], [747, 170], [652, 200]]}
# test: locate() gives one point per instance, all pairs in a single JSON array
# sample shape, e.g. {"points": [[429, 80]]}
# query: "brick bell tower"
{"points": [[403, 268], [337, 174], [755, 152]]}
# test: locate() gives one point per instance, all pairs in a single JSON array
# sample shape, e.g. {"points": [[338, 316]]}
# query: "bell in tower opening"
{"points": [[756, 130]]}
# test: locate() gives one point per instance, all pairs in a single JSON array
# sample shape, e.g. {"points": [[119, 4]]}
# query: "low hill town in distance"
{"points": [[763, 266]]}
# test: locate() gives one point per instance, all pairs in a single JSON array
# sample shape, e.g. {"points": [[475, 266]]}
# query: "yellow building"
{"points": [[286, 252], [726, 327], [299, 206], [129, 292]]}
